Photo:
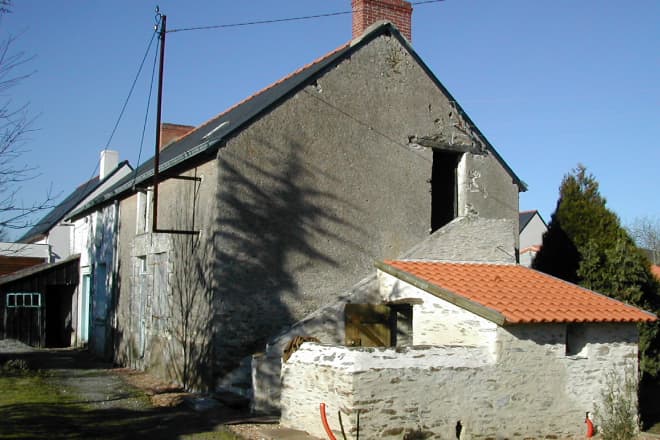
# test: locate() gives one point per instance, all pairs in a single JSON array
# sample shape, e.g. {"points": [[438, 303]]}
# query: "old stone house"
{"points": [[278, 206], [476, 350]]}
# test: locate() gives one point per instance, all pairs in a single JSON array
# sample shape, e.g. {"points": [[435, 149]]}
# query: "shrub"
{"points": [[617, 413]]}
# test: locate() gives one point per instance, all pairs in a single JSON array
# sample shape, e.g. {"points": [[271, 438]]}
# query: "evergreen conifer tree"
{"points": [[586, 244]]}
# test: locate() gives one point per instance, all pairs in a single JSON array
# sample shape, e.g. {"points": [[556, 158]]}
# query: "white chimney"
{"points": [[109, 161]]}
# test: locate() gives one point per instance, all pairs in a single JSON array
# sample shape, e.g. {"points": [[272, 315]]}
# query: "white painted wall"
{"points": [[41, 250], [436, 321]]}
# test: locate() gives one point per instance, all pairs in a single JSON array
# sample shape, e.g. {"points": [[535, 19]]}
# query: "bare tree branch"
{"points": [[646, 233], [15, 126]]}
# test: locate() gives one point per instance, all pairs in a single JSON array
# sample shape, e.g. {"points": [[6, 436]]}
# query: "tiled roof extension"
{"points": [[513, 294]]}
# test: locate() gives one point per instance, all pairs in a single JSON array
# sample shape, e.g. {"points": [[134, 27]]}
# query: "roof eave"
{"points": [[444, 294]]}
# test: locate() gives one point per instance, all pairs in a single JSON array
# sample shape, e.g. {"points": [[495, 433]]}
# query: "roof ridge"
{"points": [[263, 90]]}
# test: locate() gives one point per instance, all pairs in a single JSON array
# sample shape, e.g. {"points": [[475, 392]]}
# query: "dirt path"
{"points": [[64, 393]]}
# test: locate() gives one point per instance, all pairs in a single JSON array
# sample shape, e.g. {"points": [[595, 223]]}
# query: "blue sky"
{"points": [[550, 83]]}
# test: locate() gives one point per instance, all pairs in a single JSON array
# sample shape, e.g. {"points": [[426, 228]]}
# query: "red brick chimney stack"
{"points": [[368, 12], [172, 132]]}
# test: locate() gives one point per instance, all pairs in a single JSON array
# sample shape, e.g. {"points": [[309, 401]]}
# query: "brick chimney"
{"points": [[368, 12], [171, 132]]}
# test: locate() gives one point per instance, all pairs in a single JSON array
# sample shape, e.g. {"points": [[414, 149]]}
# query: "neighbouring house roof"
{"points": [[512, 294], [201, 143], [64, 271], [655, 269], [524, 217], [58, 213]]}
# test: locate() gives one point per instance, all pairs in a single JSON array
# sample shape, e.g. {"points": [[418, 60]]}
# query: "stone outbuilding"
{"points": [[469, 350]]}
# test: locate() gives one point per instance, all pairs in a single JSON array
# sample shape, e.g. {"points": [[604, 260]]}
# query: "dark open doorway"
{"points": [[444, 203], [58, 316]]}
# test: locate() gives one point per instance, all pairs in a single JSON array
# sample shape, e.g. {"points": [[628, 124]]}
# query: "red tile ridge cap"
{"points": [[532, 248], [439, 261]]}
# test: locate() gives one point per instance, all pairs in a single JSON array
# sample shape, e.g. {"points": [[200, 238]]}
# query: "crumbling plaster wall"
{"points": [[488, 190], [329, 181], [532, 389]]}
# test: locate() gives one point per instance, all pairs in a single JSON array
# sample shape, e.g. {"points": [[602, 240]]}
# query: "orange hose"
{"points": [[590, 427], [324, 419]]}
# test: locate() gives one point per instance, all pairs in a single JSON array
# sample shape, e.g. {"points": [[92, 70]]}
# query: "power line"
{"points": [[369, 127], [146, 114], [280, 20], [123, 108], [130, 92]]}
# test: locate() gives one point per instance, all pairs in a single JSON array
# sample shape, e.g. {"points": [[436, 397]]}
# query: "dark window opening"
{"points": [[576, 340], [444, 203], [378, 325]]}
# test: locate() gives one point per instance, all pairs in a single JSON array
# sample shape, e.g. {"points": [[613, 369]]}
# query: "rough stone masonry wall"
{"points": [[532, 390], [395, 391]]}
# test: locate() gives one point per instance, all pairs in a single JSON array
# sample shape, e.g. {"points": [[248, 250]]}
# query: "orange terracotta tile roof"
{"points": [[512, 294], [655, 269]]}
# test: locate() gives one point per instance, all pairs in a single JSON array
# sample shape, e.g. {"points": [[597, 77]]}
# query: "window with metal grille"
{"points": [[16, 300]]}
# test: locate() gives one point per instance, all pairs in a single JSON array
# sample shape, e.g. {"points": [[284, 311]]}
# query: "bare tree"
{"points": [[15, 125], [646, 233]]}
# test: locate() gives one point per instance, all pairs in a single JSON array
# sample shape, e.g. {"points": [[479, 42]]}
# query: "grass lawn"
{"points": [[38, 404]]}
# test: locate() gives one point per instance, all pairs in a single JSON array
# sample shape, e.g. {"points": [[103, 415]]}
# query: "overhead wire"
{"points": [[280, 20], [146, 114], [218, 26], [123, 108]]}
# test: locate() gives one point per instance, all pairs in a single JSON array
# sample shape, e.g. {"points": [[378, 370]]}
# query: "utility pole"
{"points": [[163, 31], [162, 21]]}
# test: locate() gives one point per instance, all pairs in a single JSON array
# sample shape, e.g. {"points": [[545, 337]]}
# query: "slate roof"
{"points": [[513, 294], [202, 143], [524, 217], [58, 213]]}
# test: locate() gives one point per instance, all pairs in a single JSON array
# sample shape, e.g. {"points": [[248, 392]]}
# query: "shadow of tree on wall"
{"points": [[190, 308], [272, 225]]}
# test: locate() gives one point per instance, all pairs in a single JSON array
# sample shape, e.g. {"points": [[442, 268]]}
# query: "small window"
{"points": [[378, 325], [576, 340], [142, 264], [143, 211], [20, 300]]}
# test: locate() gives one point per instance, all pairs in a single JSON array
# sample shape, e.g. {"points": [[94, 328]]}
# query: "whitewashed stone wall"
{"points": [[394, 390], [532, 389], [436, 321]]}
